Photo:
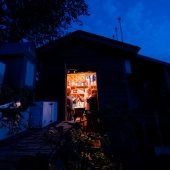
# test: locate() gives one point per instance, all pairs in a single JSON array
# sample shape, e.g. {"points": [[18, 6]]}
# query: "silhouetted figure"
{"points": [[85, 98], [69, 105], [92, 114]]}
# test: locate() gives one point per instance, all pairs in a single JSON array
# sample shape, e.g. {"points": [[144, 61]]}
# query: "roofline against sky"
{"points": [[79, 34]]}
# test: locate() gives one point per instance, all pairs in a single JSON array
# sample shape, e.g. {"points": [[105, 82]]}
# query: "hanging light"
{"points": [[17, 104]]}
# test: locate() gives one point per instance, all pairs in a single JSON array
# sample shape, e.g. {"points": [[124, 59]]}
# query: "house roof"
{"points": [[86, 36], [153, 60]]}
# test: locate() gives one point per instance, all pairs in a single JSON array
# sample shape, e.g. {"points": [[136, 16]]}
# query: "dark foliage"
{"points": [[40, 21], [11, 94]]}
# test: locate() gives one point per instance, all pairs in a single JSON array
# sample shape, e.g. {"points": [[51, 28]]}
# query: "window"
{"points": [[2, 71], [29, 76], [128, 68]]}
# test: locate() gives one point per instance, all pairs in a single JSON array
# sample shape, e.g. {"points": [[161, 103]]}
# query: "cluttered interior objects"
{"points": [[80, 86]]}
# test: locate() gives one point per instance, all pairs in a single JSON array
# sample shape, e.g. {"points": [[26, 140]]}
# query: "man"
{"points": [[69, 105], [92, 115]]}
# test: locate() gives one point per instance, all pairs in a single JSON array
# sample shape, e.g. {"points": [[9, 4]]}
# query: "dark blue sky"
{"points": [[144, 23]]}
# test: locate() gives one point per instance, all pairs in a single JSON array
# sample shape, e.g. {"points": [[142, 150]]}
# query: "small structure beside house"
{"points": [[18, 79], [17, 84]]}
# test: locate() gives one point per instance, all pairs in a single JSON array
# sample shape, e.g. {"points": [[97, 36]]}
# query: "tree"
{"points": [[40, 21]]}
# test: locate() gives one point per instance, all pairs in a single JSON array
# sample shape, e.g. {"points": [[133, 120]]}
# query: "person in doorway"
{"points": [[69, 105], [86, 97], [92, 114]]}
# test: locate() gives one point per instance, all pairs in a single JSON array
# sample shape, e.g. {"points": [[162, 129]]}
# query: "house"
{"points": [[133, 90], [84, 52]]}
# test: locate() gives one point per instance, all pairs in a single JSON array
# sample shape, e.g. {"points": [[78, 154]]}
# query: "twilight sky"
{"points": [[145, 23]]}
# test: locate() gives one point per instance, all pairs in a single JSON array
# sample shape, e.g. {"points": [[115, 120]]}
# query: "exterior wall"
{"points": [[149, 98], [51, 83], [108, 65], [14, 71]]}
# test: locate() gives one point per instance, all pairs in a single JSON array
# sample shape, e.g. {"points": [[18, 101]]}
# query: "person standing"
{"points": [[86, 97], [69, 105], [92, 115]]}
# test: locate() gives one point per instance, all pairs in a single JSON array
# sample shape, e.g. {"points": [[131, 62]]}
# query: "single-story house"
{"points": [[133, 90]]}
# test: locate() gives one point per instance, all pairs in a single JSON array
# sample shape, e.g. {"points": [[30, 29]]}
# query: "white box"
{"points": [[43, 113]]}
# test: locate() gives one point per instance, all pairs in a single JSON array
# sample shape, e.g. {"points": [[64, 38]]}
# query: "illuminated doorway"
{"points": [[79, 84]]}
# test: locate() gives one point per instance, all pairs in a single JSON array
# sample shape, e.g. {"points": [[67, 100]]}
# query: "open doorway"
{"points": [[79, 84]]}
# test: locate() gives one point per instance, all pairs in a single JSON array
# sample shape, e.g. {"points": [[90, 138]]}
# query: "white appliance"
{"points": [[43, 113]]}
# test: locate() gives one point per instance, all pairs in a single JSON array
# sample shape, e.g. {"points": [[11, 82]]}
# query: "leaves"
{"points": [[12, 120], [77, 151], [40, 21]]}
